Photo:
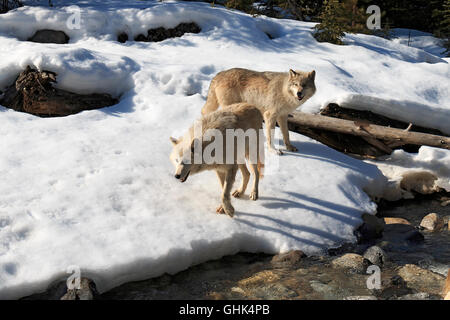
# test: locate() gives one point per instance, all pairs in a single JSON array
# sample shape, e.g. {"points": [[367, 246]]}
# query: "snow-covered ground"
{"points": [[96, 189]]}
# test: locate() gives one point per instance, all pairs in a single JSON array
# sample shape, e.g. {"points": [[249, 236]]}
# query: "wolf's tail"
{"points": [[211, 101]]}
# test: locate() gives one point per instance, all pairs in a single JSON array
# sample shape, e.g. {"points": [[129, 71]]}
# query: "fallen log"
{"points": [[305, 123], [33, 92]]}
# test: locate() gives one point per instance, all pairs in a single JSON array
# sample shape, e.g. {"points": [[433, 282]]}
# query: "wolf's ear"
{"points": [[312, 75], [292, 73], [174, 141]]}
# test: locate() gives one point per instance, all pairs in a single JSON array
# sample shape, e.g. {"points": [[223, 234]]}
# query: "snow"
{"points": [[430, 160], [418, 39], [96, 189]]}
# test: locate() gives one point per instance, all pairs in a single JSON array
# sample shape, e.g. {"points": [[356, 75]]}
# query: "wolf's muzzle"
{"points": [[300, 95]]}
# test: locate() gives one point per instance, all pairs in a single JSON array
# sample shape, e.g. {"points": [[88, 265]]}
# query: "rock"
{"points": [[372, 228], [215, 296], [160, 34], [432, 222], [446, 293], [376, 255], [352, 262], [389, 220], [361, 298], [320, 286], [50, 36], [344, 248], [140, 37], [446, 220], [401, 232], [272, 291], [445, 203], [288, 259], [237, 290], [422, 280], [260, 278], [420, 181], [416, 296], [87, 291], [393, 288], [122, 37]]}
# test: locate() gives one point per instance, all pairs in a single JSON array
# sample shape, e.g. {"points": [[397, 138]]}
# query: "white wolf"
{"points": [[276, 94], [231, 154]]}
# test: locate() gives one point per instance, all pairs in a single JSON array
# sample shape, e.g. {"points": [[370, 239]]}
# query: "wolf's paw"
{"points": [[237, 193], [276, 151], [229, 210], [220, 210], [253, 195], [291, 148]]}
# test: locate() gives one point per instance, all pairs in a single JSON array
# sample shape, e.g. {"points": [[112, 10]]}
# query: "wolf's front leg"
{"points": [[270, 121], [283, 123], [228, 184]]}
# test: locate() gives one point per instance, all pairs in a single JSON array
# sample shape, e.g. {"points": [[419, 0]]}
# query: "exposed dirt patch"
{"points": [[160, 34], [33, 92]]}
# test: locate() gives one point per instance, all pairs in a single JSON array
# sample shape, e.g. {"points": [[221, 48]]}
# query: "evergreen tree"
{"points": [[243, 5], [330, 28], [304, 10], [444, 26], [352, 17]]}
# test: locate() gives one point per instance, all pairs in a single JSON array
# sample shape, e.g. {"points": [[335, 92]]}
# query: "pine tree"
{"points": [[304, 10], [445, 26], [329, 29], [352, 17], [243, 5]]}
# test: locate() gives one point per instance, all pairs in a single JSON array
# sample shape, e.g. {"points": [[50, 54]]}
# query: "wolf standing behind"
{"points": [[245, 122], [275, 94]]}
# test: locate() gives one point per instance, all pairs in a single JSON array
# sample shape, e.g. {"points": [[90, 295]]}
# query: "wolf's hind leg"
{"points": [[228, 184], [221, 176], [283, 123], [245, 178], [254, 192]]}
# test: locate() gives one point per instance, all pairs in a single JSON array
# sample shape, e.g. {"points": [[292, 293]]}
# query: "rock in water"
{"points": [[389, 220], [376, 255], [372, 228], [289, 258], [432, 222], [87, 291], [402, 232], [422, 280], [361, 298], [352, 262], [447, 287]]}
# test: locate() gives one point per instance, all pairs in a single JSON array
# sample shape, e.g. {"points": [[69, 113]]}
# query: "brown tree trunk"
{"points": [[380, 139]]}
